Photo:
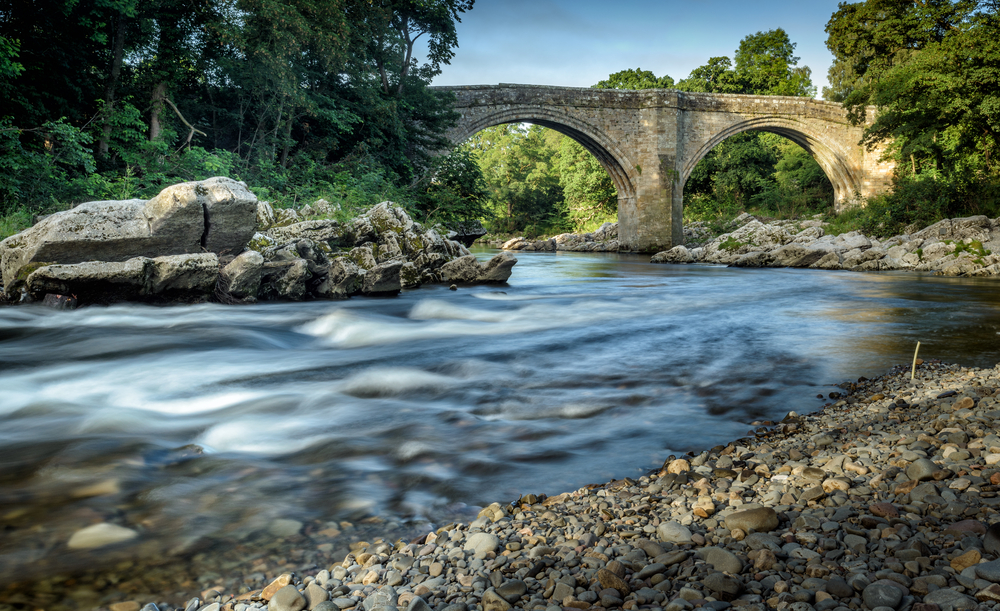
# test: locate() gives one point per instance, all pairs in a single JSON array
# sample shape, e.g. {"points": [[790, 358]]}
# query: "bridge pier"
{"points": [[649, 141]]}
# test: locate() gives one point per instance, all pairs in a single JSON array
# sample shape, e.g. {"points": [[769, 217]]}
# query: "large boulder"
{"points": [[383, 279], [171, 278], [218, 215], [463, 269], [241, 277], [498, 269]]}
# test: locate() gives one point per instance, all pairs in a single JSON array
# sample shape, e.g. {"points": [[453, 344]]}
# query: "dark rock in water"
{"points": [[59, 302], [383, 279], [467, 232], [498, 269]]}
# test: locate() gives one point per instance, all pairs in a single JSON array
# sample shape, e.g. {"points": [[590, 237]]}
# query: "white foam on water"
{"points": [[434, 319], [261, 435], [390, 381]]}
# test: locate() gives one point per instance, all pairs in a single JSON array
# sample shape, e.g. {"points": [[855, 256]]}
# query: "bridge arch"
{"points": [[597, 143], [846, 183], [650, 140]]}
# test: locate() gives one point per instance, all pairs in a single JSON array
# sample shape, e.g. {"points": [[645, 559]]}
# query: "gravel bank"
{"points": [[882, 500]]}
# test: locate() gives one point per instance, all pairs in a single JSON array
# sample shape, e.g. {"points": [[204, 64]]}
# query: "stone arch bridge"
{"points": [[649, 141]]}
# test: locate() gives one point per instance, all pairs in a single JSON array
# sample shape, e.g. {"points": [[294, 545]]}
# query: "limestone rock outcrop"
{"points": [[213, 239], [217, 215], [952, 247]]}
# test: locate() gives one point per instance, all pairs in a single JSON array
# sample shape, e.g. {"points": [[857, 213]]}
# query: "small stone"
{"points": [[608, 579], [494, 602], [287, 599], [512, 590], [721, 559], [383, 597], [946, 597], [724, 586], [987, 594], [884, 510], [990, 571], [272, 588], [838, 587], [315, 594], [991, 542], [920, 470], [678, 465], [129, 605], [969, 558], [762, 519], [673, 532], [99, 535], [284, 528], [481, 544], [882, 595]]}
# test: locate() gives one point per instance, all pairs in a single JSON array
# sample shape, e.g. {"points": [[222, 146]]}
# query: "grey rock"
{"points": [[795, 255], [512, 590], [343, 279], [721, 559], [314, 595], [481, 543], [724, 586], [242, 275], [673, 532], [920, 470], [383, 278], [991, 541], [418, 604], [287, 599], [761, 519], [882, 595], [677, 254], [461, 270], [323, 230], [950, 600], [990, 571], [498, 269], [285, 280], [838, 587], [186, 277], [383, 597], [494, 602]]}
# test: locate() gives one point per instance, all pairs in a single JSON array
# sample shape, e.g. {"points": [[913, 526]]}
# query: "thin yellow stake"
{"points": [[913, 369]]}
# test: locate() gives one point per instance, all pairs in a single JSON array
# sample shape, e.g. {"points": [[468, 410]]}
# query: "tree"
{"points": [[635, 79], [933, 71], [588, 191], [518, 166], [397, 25]]}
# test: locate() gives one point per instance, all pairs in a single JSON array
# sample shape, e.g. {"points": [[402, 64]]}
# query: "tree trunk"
{"points": [[159, 93], [287, 144], [109, 90]]}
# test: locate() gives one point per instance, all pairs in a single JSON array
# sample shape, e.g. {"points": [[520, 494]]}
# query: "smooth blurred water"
{"points": [[211, 420]]}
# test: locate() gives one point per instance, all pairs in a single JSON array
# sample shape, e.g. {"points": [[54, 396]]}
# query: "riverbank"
{"points": [[883, 498], [951, 247]]}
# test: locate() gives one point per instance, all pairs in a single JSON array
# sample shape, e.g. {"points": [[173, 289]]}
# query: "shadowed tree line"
{"points": [[299, 98]]}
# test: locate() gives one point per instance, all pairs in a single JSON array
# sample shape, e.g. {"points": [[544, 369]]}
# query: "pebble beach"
{"points": [[884, 499]]}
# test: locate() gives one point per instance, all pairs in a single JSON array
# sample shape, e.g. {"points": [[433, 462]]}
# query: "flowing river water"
{"points": [[210, 422]]}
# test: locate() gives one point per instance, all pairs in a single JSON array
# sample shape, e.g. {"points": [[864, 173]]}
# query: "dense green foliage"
{"points": [[932, 69], [299, 98]]}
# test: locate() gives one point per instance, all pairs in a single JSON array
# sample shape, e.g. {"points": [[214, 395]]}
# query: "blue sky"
{"points": [[577, 43]]}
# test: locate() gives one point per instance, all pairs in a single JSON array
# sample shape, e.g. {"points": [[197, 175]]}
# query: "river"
{"points": [[206, 423]]}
